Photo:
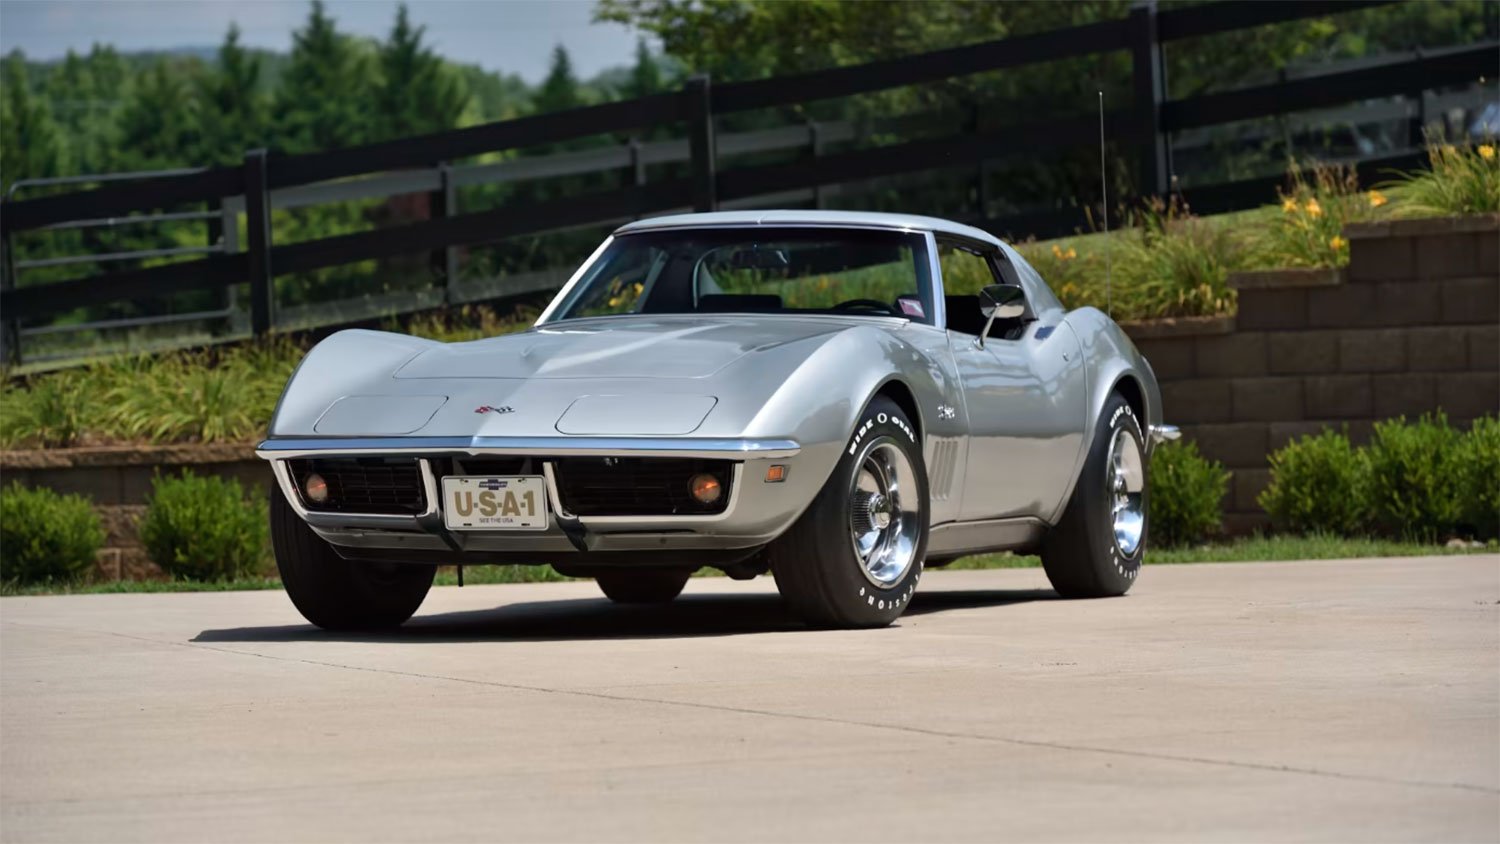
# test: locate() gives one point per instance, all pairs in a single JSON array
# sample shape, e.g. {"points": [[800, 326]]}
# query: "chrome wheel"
{"points": [[1126, 488], [884, 512]]}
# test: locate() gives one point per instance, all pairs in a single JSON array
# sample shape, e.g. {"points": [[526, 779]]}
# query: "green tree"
{"points": [[322, 101], [30, 144], [645, 75], [560, 89], [417, 93], [159, 124], [234, 114]]}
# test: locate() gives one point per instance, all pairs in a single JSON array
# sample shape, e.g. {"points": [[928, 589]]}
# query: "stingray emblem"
{"points": [[484, 408]]}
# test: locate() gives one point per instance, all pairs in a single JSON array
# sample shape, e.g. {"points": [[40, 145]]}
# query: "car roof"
{"points": [[852, 219]]}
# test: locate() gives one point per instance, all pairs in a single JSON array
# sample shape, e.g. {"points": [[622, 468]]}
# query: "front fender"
{"points": [[346, 363], [1110, 358]]}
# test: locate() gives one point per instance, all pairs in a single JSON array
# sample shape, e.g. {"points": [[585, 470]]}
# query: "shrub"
{"points": [[204, 528], [1307, 231], [1318, 485], [1186, 492], [1478, 465], [1415, 484], [1461, 180], [46, 537]]}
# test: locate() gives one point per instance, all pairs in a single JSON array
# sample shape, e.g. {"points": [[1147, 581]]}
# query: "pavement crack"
{"points": [[849, 722]]}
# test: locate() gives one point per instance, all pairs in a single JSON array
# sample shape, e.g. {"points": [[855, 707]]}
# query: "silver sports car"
{"points": [[839, 399]]}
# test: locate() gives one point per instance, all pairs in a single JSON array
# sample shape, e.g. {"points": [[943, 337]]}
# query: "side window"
{"points": [[965, 271], [1038, 293]]}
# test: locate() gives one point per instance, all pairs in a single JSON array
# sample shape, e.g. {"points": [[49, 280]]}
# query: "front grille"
{"points": [[383, 485], [637, 486]]}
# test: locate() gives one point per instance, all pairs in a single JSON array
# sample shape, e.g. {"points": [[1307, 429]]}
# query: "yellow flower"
{"points": [[1056, 252], [1072, 253], [1289, 205], [1377, 199], [1314, 209], [1486, 151], [1337, 243]]}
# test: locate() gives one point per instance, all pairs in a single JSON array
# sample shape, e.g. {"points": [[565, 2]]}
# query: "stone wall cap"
{"points": [[1423, 226], [175, 454], [1152, 329], [1285, 278]]}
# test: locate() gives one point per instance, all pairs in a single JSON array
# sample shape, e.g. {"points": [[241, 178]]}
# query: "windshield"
{"points": [[758, 270]]}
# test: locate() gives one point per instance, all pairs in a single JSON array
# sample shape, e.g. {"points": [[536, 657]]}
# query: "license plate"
{"points": [[490, 503]]}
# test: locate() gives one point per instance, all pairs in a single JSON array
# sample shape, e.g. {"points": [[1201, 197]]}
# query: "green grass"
{"points": [[1254, 549]]}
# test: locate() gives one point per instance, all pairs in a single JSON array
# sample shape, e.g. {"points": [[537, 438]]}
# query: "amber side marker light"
{"points": [[775, 473], [705, 488], [316, 488]]}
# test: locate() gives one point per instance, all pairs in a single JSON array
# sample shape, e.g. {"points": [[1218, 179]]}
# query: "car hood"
{"points": [[615, 348]]}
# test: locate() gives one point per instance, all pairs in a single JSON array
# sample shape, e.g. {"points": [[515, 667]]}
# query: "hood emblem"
{"points": [[484, 408]]}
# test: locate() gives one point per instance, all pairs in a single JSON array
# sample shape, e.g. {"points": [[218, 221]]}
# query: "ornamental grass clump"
{"points": [[1307, 230], [1462, 179], [1173, 263]]}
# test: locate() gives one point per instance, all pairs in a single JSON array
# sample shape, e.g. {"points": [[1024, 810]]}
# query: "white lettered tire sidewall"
{"points": [[815, 563]]}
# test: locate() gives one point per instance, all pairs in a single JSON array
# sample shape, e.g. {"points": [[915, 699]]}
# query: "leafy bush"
{"points": [[46, 537], [1462, 180], [1186, 493], [204, 528], [1415, 478], [1174, 264], [1308, 230], [1318, 484], [1478, 468]]}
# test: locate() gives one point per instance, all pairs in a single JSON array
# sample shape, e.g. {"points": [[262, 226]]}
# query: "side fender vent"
{"points": [[940, 467]]}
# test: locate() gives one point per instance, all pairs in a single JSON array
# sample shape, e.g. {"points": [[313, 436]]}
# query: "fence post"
{"points": [[815, 146], [10, 329], [444, 203], [258, 241], [1150, 90], [701, 143]]}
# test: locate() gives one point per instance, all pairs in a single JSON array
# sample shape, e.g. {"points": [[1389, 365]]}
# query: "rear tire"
{"points": [[1096, 549], [838, 565], [339, 594], [642, 586]]}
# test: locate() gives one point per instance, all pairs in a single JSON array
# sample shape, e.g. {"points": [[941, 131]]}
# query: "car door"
{"points": [[1024, 389]]}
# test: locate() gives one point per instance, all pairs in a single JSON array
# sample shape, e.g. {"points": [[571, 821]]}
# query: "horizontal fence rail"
{"points": [[814, 161]]}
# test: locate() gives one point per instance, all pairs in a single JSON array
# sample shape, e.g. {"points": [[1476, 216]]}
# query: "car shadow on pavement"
{"points": [[597, 618]]}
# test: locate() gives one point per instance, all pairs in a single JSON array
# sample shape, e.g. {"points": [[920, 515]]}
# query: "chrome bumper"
{"points": [[1163, 433], [738, 524], [724, 449]]}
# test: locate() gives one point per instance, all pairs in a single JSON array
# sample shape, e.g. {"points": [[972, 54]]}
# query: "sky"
{"points": [[512, 36]]}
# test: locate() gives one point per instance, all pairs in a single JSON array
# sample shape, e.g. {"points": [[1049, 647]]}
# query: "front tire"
{"points": [[642, 586], [1096, 549], [339, 594], [854, 557]]}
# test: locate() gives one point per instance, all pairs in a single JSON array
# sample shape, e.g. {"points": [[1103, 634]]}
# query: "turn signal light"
{"points": [[775, 473], [316, 488], [705, 488]]}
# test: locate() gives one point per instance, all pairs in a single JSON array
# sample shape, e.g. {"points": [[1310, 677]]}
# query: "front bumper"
{"points": [[756, 512]]}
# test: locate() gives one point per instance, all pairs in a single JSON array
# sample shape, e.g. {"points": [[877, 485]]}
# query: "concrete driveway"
{"points": [[1346, 700]]}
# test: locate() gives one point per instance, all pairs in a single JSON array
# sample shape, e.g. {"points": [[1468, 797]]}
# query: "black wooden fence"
{"points": [[1146, 126]]}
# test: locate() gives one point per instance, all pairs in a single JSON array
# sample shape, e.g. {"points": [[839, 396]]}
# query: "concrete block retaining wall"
{"points": [[1410, 326]]}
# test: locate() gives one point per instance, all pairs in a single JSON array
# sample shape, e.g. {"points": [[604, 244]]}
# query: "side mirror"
{"points": [[1000, 301]]}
